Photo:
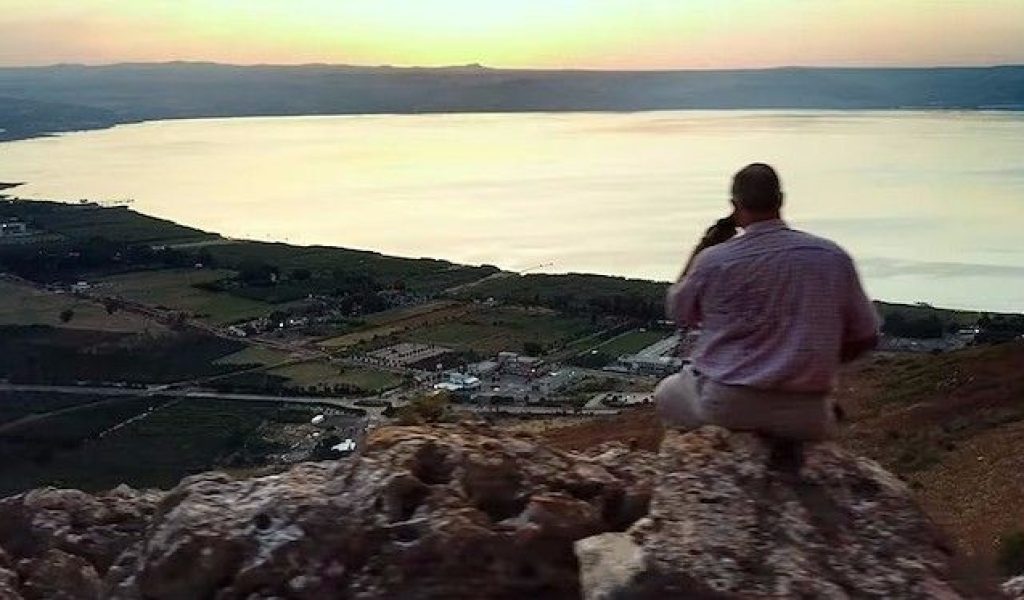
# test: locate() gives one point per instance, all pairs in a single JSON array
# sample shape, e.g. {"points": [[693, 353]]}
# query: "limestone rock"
{"points": [[59, 543], [474, 512], [729, 520], [441, 512], [1014, 588], [609, 563]]}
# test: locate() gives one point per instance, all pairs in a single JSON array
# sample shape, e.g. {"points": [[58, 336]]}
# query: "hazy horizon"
{"points": [[553, 34], [480, 66]]}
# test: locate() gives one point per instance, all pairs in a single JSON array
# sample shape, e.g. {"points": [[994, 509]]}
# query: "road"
{"points": [[539, 410], [373, 414]]}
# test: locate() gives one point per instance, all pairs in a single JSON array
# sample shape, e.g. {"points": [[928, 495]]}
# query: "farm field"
{"points": [[53, 355], [504, 329], [254, 355], [17, 405], [401, 320], [145, 442], [173, 288], [24, 305], [630, 342], [322, 374]]}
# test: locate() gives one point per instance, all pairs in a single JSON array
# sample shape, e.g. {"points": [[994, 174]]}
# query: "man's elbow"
{"points": [[853, 350]]}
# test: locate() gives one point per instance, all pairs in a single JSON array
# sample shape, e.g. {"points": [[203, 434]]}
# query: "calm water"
{"points": [[930, 204]]}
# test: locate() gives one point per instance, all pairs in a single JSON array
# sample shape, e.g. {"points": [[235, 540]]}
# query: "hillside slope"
{"points": [[951, 425]]}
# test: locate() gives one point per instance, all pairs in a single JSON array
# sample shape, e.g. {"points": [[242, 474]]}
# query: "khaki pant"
{"points": [[690, 400]]}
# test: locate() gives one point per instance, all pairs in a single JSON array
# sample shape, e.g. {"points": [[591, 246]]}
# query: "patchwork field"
{"points": [[54, 355], [145, 442], [630, 342], [322, 374], [493, 330], [254, 355], [398, 321], [24, 305], [173, 288]]}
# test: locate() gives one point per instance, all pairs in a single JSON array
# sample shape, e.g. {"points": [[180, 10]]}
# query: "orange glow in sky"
{"points": [[602, 34]]}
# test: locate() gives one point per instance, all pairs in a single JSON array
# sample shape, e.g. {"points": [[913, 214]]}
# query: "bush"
{"points": [[430, 408], [1011, 554]]}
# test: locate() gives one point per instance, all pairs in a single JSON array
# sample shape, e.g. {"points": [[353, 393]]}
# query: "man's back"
{"points": [[775, 306]]}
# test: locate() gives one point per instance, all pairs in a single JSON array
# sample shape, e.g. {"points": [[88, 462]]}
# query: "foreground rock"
{"points": [[473, 512], [1014, 588], [443, 512], [734, 516]]}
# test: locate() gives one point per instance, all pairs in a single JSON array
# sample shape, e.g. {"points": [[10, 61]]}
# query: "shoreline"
{"points": [[219, 236], [7, 136]]}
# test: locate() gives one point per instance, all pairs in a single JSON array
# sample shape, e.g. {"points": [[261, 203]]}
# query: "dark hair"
{"points": [[756, 187]]}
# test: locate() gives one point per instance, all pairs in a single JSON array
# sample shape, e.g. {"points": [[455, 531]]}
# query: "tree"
{"points": [[1011, 554], [66, 315], [301, 274], [205, 258], [429, 408], [253, 272], [112, 305]]}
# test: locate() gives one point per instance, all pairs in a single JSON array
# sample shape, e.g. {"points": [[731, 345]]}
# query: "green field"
{"points": [[173, 288], [630, 342], [23, 305], [324, 375], [40, 354], [16, 405], [254, 355], [504, 329], [160, 441]]}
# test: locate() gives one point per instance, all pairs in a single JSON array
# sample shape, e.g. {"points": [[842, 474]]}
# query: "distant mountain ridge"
{"points": [[137, 92]]}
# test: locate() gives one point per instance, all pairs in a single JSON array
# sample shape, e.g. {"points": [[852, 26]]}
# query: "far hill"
{"points": [[136, 92]]}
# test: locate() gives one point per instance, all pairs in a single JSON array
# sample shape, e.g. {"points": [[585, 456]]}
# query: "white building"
{"points": [[13, 229]]}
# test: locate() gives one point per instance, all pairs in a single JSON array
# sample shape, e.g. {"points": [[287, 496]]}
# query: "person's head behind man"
{"points": [[756, 194]]}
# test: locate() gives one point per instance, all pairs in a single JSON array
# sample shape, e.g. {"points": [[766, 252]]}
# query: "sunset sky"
{"points": [[601, 34]]}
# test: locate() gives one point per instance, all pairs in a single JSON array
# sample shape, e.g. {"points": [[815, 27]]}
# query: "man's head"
{"points": [[756, 194]]}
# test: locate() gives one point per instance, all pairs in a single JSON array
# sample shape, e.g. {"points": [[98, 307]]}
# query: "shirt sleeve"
{"points": [[860, 319], [683, 302]]}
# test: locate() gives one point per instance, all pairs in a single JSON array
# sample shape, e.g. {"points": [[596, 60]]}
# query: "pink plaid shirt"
{"points": [[775, 306]]}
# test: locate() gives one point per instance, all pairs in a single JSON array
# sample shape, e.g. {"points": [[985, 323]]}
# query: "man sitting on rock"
{"points": [[779, 310]]}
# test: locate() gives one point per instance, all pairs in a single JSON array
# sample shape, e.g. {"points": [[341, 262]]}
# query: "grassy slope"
{"points": [[23, 305], [952, 425], [173, 288]]}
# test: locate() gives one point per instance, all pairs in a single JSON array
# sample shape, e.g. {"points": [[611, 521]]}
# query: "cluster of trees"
{"points": [[927, 327], [999, 328], [68, 260], [580, 295]]}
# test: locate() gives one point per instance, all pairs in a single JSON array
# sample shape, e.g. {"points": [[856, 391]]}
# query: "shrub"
{"points": [[1011, 554]]}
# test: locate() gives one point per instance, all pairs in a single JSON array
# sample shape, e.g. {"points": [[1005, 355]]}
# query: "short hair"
{"points": [[756, 187]]}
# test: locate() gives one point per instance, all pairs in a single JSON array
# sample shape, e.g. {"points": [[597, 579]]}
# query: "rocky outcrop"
{"points": [[734, 515], [60, 543], [474, 512], [1014, 588]]}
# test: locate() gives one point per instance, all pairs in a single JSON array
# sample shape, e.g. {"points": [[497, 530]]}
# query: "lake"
{"points": [[929, 203]]}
